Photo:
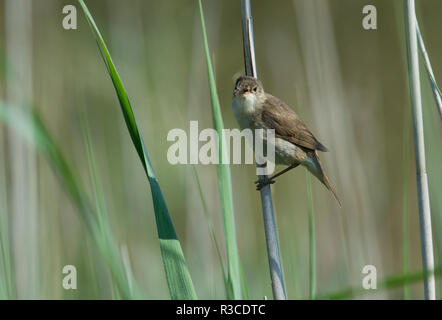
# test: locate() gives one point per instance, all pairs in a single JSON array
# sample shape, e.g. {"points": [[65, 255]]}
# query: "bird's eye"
{"points": [[237, 84], [255, 89]]}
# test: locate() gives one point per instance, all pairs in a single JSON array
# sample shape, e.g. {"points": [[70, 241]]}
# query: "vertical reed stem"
{"points": [[312, 240], [23, 162], [421, 174], [429, 69], [406, 141], [276, 274]]}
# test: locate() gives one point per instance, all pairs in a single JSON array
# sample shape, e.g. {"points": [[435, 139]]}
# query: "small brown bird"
{"points": [[294, 143]]}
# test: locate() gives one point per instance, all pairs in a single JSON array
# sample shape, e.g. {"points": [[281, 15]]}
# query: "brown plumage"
{"points": [[294, 142], [288, 126]]}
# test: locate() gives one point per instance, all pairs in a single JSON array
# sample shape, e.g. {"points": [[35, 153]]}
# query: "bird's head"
{"points": [[248, 87]]}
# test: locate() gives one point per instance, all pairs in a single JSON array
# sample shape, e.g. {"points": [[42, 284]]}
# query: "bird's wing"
{"points": [[288, 126]]}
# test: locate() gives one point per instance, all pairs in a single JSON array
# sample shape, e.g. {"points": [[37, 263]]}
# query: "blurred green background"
{"points": [[348, 84]]}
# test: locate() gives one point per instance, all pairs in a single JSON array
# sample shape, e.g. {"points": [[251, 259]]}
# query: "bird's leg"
{"points": [[293, 166], [269, 180]]}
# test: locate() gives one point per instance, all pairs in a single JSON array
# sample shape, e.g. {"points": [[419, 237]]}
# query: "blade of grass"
{"points": [[210, 225], [224, 180], [245, 291], [312, 241], [127, 265], [419, 144], [32, 129], [436, 92], [177, 274], [385, 284], [214, 239], [7, 276], [100, 206], [405, 208], [433, 134], [7, 283]]}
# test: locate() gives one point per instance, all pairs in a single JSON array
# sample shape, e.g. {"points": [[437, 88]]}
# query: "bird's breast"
{"points": [[288, 153], [244, 108]]}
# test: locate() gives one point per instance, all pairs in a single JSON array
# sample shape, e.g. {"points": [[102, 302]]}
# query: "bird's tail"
{"points": [[318, 171]]}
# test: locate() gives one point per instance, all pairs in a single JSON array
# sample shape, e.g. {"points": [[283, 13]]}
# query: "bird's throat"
{"points": [[244, 107]]}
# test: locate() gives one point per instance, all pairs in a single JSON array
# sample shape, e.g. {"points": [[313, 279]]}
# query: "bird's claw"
{"points": [[262, 183]]}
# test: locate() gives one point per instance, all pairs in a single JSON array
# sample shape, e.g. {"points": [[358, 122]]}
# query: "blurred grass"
{"points": [[428, 68], [405, 201], [157, 48], [7, 276], [312, 238], [210, 226], [234, 282], [100, 206], [32, 129], [433, 136], [387, 283], [177, 275]]}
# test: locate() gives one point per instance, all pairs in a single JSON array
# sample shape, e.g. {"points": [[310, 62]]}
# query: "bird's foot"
{"points": [[262, 183]]}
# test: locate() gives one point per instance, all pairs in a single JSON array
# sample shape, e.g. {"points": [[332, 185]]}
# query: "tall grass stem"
{"points": [[224, 180], [177, 274], [275, 265], [312, 238], [436, 92], [419, 146], [405, 207]]}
